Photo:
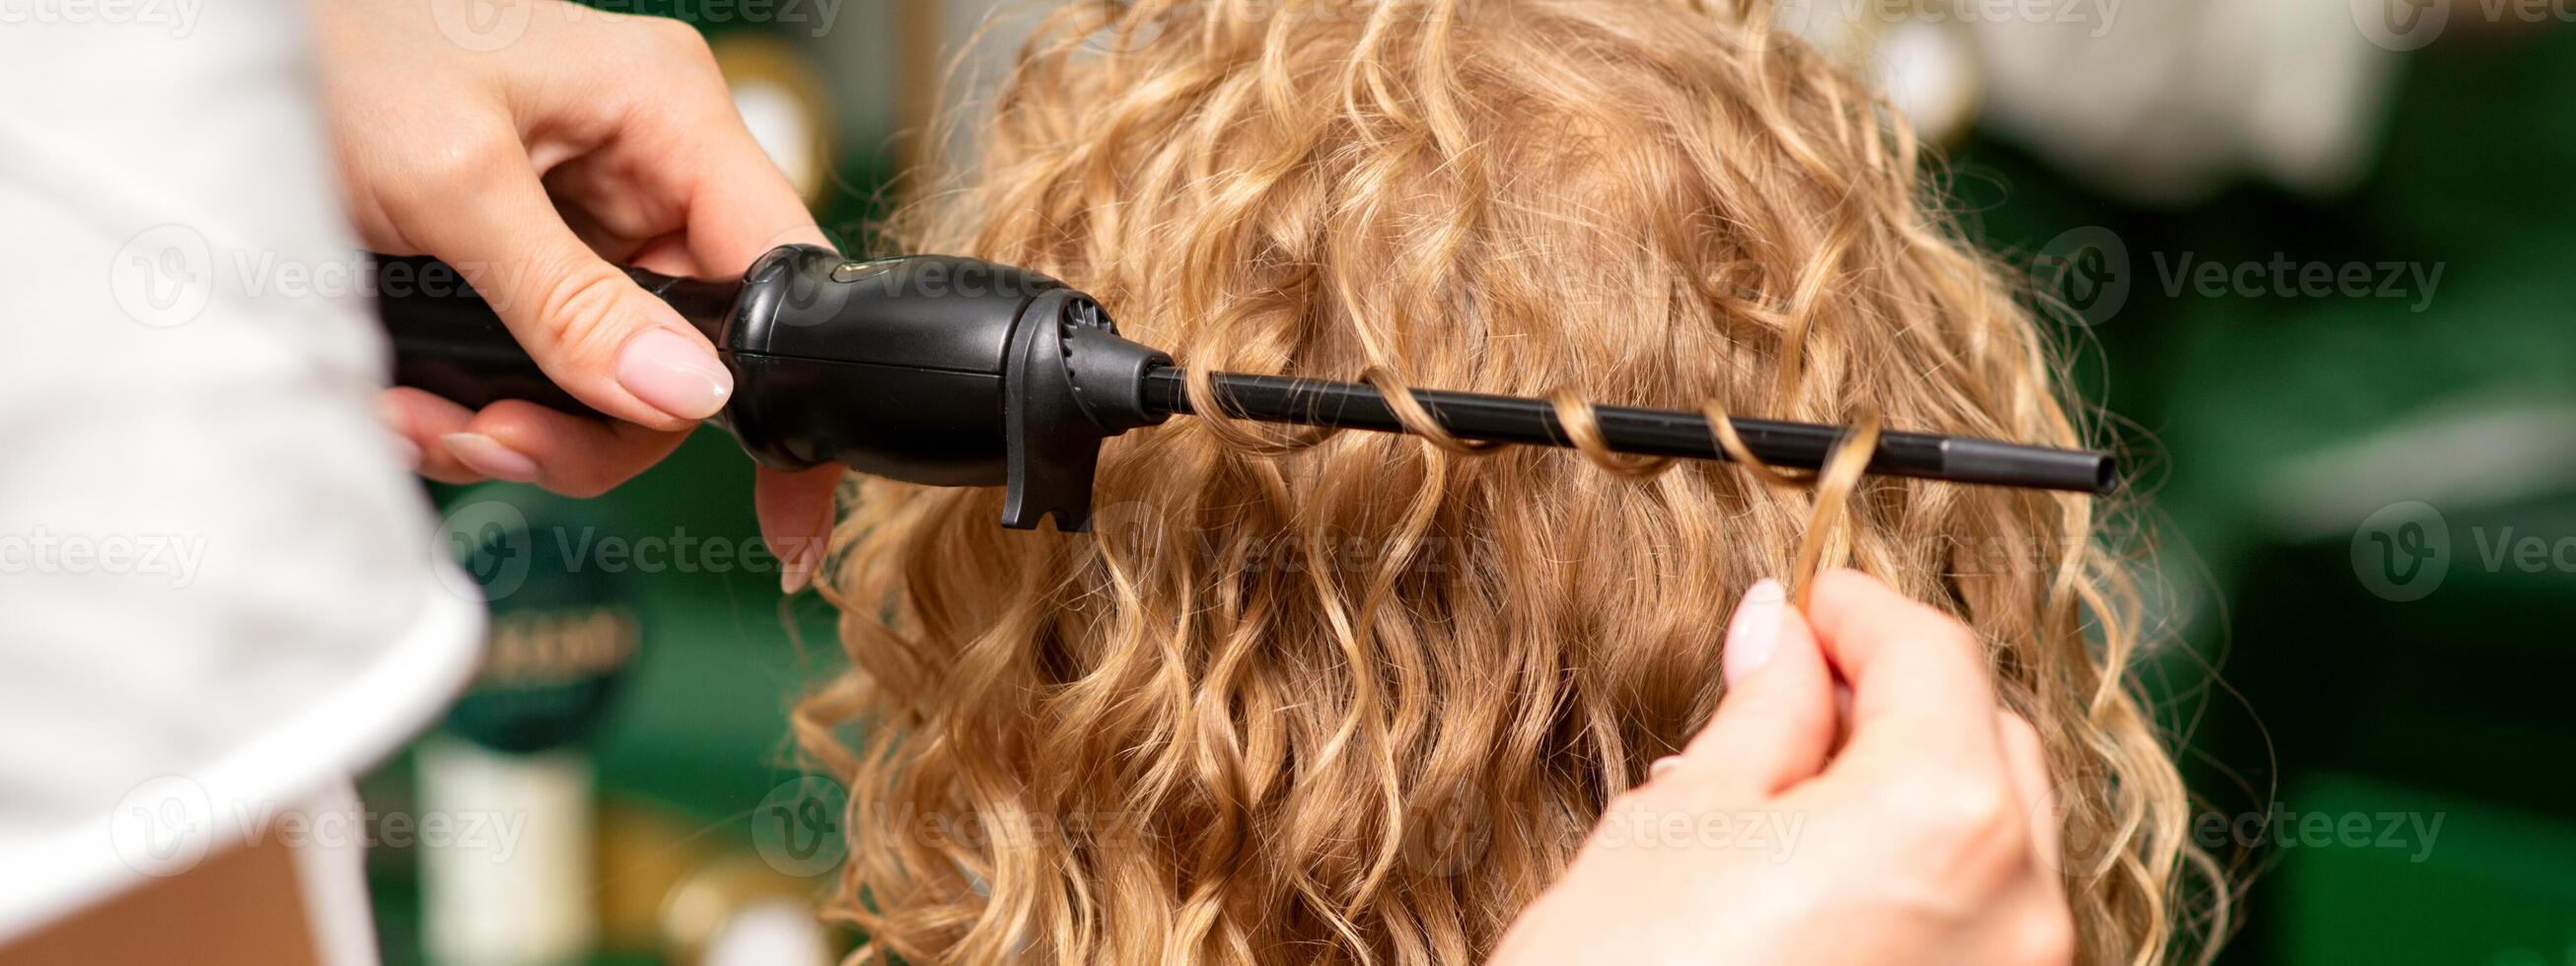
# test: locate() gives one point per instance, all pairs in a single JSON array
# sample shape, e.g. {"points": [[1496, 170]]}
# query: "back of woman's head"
{"points": [[1359, 699]]}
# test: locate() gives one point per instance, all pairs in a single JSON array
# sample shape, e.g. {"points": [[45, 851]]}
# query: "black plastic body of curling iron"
{"points": [[958, 372]]}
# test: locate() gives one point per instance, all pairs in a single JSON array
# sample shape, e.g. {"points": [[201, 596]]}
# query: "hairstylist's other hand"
{"points": [[537, 145], [1915, 843]]}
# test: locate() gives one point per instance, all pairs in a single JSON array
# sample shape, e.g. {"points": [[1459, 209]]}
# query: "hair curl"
{"points": [[1358, 698]]}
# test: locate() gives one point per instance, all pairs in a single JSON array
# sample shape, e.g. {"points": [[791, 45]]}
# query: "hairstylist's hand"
{"points": [[537, 145], [1915, 842]]}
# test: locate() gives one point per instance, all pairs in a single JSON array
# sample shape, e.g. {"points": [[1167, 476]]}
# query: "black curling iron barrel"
{"points": [[958, 372]]}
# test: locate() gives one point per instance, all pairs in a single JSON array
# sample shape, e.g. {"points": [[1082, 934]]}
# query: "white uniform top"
{"points": [[218, 593]]}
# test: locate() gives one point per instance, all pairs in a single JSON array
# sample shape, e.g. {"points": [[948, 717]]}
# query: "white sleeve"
{"points": [[219, 592]]}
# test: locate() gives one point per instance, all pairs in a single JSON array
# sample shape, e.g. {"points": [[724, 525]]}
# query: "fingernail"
{"points": [[798, 573], [487, 456], [809, 553], [1662, 765], [1755, 630], [396, 425], [673, 373]]}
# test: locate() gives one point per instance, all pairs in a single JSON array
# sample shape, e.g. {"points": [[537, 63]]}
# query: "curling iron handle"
{"points": [[449, 342]]}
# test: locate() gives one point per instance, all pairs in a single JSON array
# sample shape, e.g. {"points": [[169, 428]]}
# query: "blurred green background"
{"points": [[2317, 673], [2272, 432]]}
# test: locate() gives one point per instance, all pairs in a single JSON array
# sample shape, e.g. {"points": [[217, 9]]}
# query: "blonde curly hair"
{"points": [[1358, 698]]}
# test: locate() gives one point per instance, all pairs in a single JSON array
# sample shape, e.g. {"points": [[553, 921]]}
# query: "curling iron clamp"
{"points": [[957, 372]]}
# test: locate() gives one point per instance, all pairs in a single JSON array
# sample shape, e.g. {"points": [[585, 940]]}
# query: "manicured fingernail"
{"points": [[487, 456], [798, 573], [1755, 630], [808, 551], [1662, 765], [396, 424], [673, 373]]}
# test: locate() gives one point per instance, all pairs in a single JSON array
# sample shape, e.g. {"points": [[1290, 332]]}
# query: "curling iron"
{"points": [[958, 372]]}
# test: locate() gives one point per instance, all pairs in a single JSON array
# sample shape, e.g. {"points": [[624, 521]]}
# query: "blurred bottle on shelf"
{"points": [[508, 878]]}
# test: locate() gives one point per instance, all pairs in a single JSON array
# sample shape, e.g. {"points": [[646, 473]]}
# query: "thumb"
{"points": [[1776, 723], [596, 333]]}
